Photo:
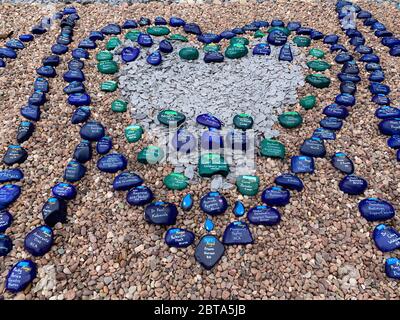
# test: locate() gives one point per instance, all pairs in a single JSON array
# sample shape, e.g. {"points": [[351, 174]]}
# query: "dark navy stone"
{"points": [[395, 51], [112, 163], [227, 34], [179, 238], [76, 64], [74, 87], [346, 77], [394, 142], [129, 54], [392, 268], [187, 202], [9, 175], [313, 147], [83, 151], [209, 120], [192, 28], [209, 251], [87, 44], [352, 184], [46, 71], [64, 191], [80, 53], [302, 164], [293, 25], [374, 209], [213, 203], [348, 88], [176, 22], [357, 41], [15, 154], [372, 66], [215, 57], [130, 24], [250, 27], [262, 49], [237, 31], [362, 49], [324, 134], [74, 171], [212, 139], [379, 88], [2, 63], [337, 47], [59, 49], [96, 35], [25, 131], [104, 145], [335, 110], [289, 181], [364, 14], [15, 44], [378, 26], [160, 21], [26, 37], [52, 60], [74, 75], [237, 232], [209, 38], [5, 245], [342, 162], [369, 22], [31, 112], [387, 112], [390, 126], [154, 58], [139, 196], [264, 215], [144, 21], [383, 33], [161, 213], [111, 29], [145, 40], [277, 38], [345, 99], [38, 30], [380, 99], [390, 42], [69, 10], [38, 98], [275, 196], [316, 35], [331, 39], [331, 123], [343, 57], [8, 53], [92, 131], [5, 220], [377, 76], [54, 211], [20, 276], [165, 46], [285, 54], [184, 141], [39, 241], [64, 39], [369, 57], [127, 180], [79, 99], [386, 238], [304, 31]]}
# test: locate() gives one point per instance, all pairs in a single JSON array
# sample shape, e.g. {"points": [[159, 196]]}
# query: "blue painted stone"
{"points": [[165, 46], [374, 209], [176, 22], [92, 131], [209, 251], [209, 120], [213, 203], [347, 77], [345, 99], [302, 164], [342, 162], [26, 37], [377, 76], [214, 57], [160, 21], [38, 98], [398, 156], [237, 31], [144, 21], [277, 23], [316, 35], [80, 53], [15, 154], [154, 58], [46, 71], [129, 54], [343, 57], [353, 185], [59, 49], [31, 112], [237, 232], [324, 134], [277, 38], [250, 27], [139, 196], [38, 30], [395, 51], [392, 268], [209, 225], [9, 193], [64, 191], [381, 99], [378, 26], [52, 60], [335, 110], [227, 34], [111, 29], [372, 66], [112, 163], [130, 24], [357, 41], [209, 38], [5, 220], [104, 145], [74, 87], [394, 142], [390, 42], [127, 180], [54, 211], [79, 99], [9, 175], [192, 28], [145, 40], [369, 57], [387, 112], [386, 238], [25, 131], [313, 147], [293, 25], [15, 44], [76, 64], [337, 47], [262, 49], [238, 209], [5, 245], [187, 202], [362, 49], [331, 123], [304, 31], [87, 44], [383, 33], [348, 87], [369, 22], [2, 63], [390, 126], [264, 215], [161, 213], [74, 171], [212, 140], [83, 151], [275, 196], [96, 35], [179, 238], [64, 39], [69, 10], [20, 276], [331, 39], [379, 88], [363, 14], [39, 241], [289, 181], [74, 75], [285, 54], [8, 53]]}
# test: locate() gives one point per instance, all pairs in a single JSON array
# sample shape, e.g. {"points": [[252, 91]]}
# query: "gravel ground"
{"points": [[321, 250]]}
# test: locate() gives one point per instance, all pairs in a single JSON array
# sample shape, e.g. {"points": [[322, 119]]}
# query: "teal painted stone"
{"points": [[113, 43], [104, 56], [178, 37], [133, 35], [119, 106], [212, 47], [158, 31], [301, 41], [272, 149], [189, 53], [239, 40], [318, 80], [308, 102], [171, 117], [290, 119], [316, 53], [150, 155], [236, 51], [248, 185], [243, 121], [133, 133], [107, 67], [108, 86], [211, 164], [176, 181], [318, 65]]}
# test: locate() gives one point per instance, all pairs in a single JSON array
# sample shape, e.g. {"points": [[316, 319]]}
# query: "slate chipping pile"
{"points": [[321, 249]]}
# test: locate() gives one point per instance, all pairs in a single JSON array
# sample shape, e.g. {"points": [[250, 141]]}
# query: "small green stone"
{"points": [[178, 37], [318, 65], [176, 181], [248, 185], [132, 35], [243, 121], [318, 80], [119, 106], [109, 86], [212, 47], [259, 34], [283, 29], [107, 67], [317, 53], [308, 102], [158, 31], [104, 56], [301, 41], [169, 117], [133, 133], [272, 149], [150, 155], [239, 40], [290, 119], [113, 43], [211, 164], [189, 53], [236, 51]]}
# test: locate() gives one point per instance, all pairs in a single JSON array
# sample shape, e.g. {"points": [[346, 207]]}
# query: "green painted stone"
{"points": [[212, 47], [150, 155], [317, 53], [308, 102], [211, 164], [318, 65], [283, 29], [290, 119], [318, 80], [104, 56], [240, 40], [119, 106], [301, 41], [133, 133], [109, 86], [272, 149], [259, 34], [170, 117], [132, 35], [189, 53], [113, 43], [107, 67], [248, 185], [178, 37], [243, 121], [236, 51], [158, 31], [176, 181]]}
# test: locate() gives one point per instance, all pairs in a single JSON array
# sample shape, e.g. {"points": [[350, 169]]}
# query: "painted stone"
{"points": [[275, 196], [104, 145], [74, 171], [189, 53], [277, 38], [209, 120], [394, 142], [392, 268], [41, 84], [353, 185], [158, 31], [15, 154], [302, 41], [390, 126], [119, 106], [113, 43], [112, 163], [212, 140], [243, 121], [75, 64], [5, 220], [139, 196], [317, 53], [213, 203], [272, 148], [110, 29], [318, 65], [264, 215], [237, 232], [127, 180], [184, 141], [178, 37], [83, 151], [262, 49], [348, 87], [289, 181], [171, 118], [80, 115], [64, 191], [52, 60], [145, 40], [79, 99], [74, 87], [187, 202], [133, 35], [386, 238], [176, 22], [313, 147], [107, 67], [129, 54], [238, 209], [179, 238], [342, 162], [211, 47], [20, 276], [345, 99], [5, 245], [150, 155], [176, 181], [39, 241], [109, 86], [25, 131], [209, 251], [46, 71], [192, 28], [302, 164], [290, 119], [375, 209], [211, 164], [92, 131], [154, 58], [161, 213], [248, 185], [308, 102], [9, 175], [133, 133], [104, 56], [54, 211], [236, 51], [240, 40], [318, 80]]}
